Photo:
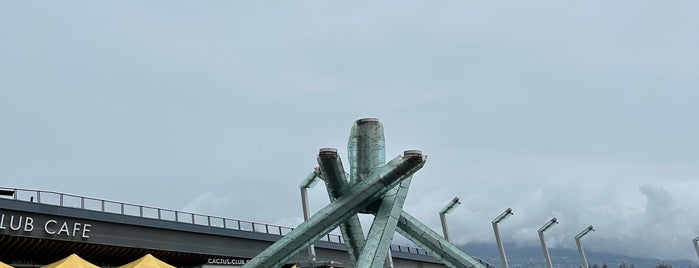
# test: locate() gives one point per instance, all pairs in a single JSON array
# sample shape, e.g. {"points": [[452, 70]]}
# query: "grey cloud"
{"points": [[581, 111]]}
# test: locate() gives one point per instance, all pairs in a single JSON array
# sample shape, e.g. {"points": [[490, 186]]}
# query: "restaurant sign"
{"points": [[12, 223]]}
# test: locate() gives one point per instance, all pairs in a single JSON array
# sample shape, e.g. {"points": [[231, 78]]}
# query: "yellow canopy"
{"points": [[72, 261], [147, 261], [3, 265]]}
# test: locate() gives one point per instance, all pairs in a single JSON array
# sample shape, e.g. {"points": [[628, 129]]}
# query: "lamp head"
{"points": [[548, 225], [584, 232], [503, 215], [451, 206]]}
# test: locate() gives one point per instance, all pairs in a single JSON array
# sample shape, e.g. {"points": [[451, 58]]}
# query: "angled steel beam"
{"points": [[361, 195], [583, 259], [337, 185], [696, 245], [434, 244]]}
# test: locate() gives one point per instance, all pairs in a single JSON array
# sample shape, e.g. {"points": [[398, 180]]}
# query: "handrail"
{"points": [[128, 209]]}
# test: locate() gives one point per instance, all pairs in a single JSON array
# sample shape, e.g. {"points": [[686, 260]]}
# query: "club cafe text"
{"points": [[51, 226]]}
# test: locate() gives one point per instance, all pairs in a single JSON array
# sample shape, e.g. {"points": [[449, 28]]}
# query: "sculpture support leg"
{"points": [[337, 186], [384, 227], [434, 243]]}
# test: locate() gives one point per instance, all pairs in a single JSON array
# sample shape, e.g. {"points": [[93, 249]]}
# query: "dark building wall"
{"points": [[59, 230]]}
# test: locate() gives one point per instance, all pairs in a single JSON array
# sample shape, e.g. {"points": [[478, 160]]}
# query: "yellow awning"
{"points": [[147, 261], [3, 265], [72, 261]]}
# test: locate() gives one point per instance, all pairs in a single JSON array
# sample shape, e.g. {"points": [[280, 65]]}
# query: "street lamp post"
{"points": [[580, 249], [496, 221], [696, 245], [442, 215], [543, 243], [307, 183]]}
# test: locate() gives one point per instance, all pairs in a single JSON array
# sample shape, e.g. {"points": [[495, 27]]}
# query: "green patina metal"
{"points": [[372, 187], [434, 244], [337, 212], [366, 148], [337, 185], [384, 227]]}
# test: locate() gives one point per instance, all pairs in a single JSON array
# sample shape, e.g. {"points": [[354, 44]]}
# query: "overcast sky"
{"points": [[582, 110]]}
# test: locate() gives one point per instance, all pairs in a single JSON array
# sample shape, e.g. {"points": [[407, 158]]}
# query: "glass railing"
{"points": [[121, 208]]}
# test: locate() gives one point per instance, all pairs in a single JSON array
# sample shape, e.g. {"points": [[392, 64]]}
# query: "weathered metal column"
{"points": [[496, 229], [543, 242], [367, 153], [583, 259], [337, 185], [366, 148]]}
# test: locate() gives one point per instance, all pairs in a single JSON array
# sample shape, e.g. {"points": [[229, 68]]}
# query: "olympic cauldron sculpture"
{"points": [[373, 187]]}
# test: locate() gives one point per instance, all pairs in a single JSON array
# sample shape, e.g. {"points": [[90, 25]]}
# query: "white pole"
{"points": [[389, 259], [311, 248], [546, 250], [578, 237], [543, 242], [496, 229], [500, 247], [582, 253], [443, 219]]}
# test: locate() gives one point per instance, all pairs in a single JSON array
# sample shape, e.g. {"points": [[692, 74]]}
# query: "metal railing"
{"points": [[121, 208]]}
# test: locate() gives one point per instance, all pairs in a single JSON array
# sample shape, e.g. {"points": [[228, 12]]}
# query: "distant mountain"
{"points": [[530, 257]]}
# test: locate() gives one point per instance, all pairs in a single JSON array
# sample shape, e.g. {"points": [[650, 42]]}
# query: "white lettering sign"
{"points": [[64, 228], [220, 261]]}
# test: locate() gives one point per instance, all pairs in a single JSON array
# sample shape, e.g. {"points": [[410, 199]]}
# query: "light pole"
{"points": [[543, 243], [442, 215], [497, 220], [580, 249], [309, 182], [696, 245]]}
